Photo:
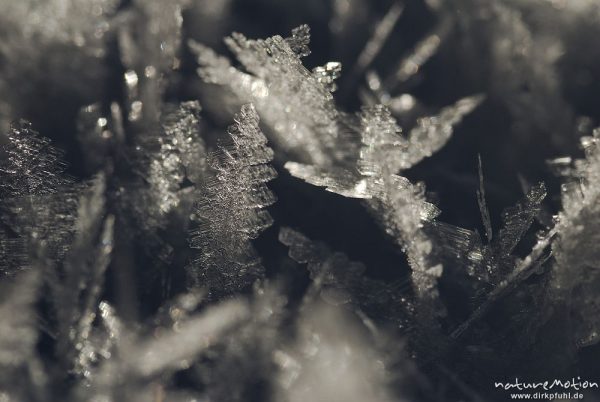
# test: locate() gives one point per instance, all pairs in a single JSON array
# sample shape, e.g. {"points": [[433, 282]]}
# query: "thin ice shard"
{"points": [[402, 212], [432, 133], [485, 213], [382, 31], [173, 348], [335, 180], [517, 220], [232, 208], [422, 52]]}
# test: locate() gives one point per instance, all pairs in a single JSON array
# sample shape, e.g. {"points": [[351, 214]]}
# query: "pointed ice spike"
{"points": [[483, 209], [382, 31]]}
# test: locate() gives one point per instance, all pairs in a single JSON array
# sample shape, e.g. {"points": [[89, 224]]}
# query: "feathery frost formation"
{"points": [[232, 211], [137, 263], [399, 205], [295, 103]]}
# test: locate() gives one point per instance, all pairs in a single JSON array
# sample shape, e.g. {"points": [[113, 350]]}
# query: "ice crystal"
{"points": [[248, 353], [179, 157], [410, 65], [76, 292], [575, 248], [17, 346], [373, 47], [524, 71], [32, 166], [331, 360], [296, 104], [341, 282], [138, 357], [386, 150], [22, 378], [99, 300], [38, 198], [232, 208], [399, 205], [485, 213]]}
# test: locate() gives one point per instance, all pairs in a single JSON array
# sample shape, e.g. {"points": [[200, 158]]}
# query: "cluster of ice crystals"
{"points": [[296, 104], [398, 204], [180, 156], [231, 209], [31, 166], [575, 275], [38, 199], [385, 150], [327, 74]]}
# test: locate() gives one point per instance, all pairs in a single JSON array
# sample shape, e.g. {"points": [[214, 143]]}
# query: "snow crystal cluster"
{"points": [[404, 209]]}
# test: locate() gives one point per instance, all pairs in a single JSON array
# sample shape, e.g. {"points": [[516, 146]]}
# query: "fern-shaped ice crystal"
{"points": [[232, 208]]}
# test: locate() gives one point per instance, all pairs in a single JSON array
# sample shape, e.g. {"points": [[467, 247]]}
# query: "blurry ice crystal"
{"points": [[576, 251], [340, 281], [51, 42], [38, 199], [17, 318], [332, 361]]}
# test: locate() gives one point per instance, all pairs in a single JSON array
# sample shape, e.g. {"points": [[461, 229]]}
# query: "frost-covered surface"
{"points": [[436, 176]]}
